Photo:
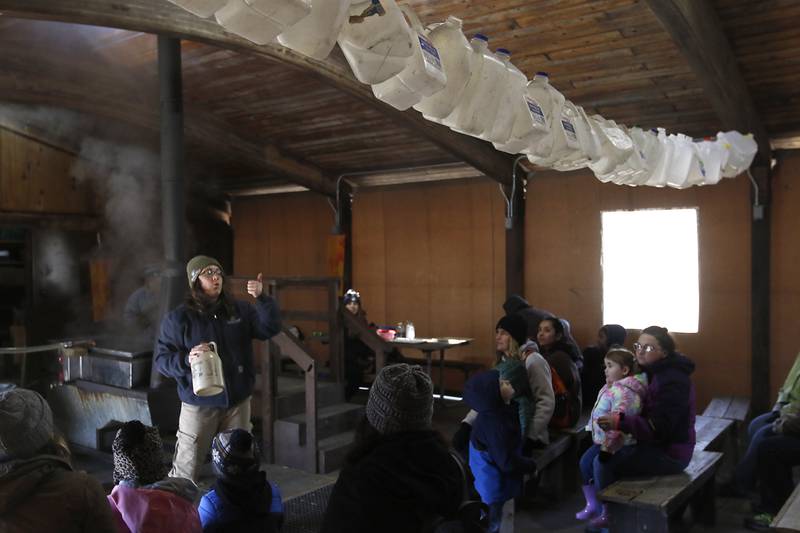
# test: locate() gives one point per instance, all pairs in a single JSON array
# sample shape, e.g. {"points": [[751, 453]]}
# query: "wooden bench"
{"points": [[788, 519], [729, 407], [712, 434], [652, 504]]}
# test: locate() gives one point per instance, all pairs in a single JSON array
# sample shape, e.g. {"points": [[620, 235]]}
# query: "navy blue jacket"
{"points": [[496, 429], [184, 328]]}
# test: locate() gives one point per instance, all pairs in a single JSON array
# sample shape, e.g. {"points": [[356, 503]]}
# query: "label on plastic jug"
{"points": [[430, 54], [536, 112], [569, 133]]}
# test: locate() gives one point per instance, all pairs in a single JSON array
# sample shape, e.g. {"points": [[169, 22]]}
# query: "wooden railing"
{"points": [[369, 337]]}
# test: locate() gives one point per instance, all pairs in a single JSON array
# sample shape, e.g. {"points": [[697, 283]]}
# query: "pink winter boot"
{"points": [[600, 522], [592, 505]]}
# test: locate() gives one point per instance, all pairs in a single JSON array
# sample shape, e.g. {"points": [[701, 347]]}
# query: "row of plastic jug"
{"points": [[310, 28], [467, 87]]}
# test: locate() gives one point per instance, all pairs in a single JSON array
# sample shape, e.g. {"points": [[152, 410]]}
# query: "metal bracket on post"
{"points": [[758, 207], [510, 200]]}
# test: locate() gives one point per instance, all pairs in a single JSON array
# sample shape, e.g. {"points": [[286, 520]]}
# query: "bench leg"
{"points": [[629, 519], [704, 508]]}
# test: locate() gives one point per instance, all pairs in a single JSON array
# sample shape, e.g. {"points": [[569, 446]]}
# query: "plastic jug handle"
{"points": [[413, 19], [213, 346]]}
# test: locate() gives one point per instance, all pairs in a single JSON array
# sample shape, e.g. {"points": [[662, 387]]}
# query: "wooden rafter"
{"points": [[161, 17], [697, 32]]}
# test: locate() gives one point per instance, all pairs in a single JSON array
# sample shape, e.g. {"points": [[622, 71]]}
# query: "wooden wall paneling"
{"points": [[785, 281], [369, 251]]}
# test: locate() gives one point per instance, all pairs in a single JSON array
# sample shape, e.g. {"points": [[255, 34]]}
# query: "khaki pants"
{"points": [[197, 427]]}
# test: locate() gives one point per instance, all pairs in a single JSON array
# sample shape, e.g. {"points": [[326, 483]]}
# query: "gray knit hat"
{"points": [[401, 399], [196, 265], [26, 423]]}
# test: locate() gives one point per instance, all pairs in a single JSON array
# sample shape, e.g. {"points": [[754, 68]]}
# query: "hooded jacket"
{"points": [[44, 494], [166, 505], [184, 328], [396, 486], [250, 504], [516, 304], [623, 396], [668, 413]]}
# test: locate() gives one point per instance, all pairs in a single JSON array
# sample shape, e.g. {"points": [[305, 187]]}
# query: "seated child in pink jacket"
{"points": [[622, 394]]}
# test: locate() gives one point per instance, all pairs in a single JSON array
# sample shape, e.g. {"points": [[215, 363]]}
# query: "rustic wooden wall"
{"points": [[564, 274], [433, 254], [36, 178], [785, 273]]}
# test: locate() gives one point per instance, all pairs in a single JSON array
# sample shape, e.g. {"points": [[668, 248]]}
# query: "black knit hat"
{"points": [[401, 399], [138, 454], [516, 326], [234, 452]]}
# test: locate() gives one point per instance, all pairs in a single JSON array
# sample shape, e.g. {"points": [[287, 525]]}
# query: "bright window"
{"points": [[650, 269]]}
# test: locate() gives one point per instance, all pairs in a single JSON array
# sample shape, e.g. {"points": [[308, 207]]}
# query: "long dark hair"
{"points": [[560, 345], [201, 304]]}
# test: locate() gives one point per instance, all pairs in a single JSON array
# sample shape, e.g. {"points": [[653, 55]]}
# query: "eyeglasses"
{"points": [[210, 272], [646, 348]]}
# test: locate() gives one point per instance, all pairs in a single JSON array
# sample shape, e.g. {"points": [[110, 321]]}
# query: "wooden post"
{"points": [[268, 393], [515, 243], [760, 290]]}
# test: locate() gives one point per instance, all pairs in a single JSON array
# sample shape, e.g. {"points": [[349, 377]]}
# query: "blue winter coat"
{"points": [[495, 456], [184, 328], [215, 515]]}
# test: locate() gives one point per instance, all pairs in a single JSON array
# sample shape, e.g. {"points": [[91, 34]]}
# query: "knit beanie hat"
{"points": [[516, 326], [351, 296], [234, 452], [401, 399], [138, 454], [26, 423], [196, 265]]}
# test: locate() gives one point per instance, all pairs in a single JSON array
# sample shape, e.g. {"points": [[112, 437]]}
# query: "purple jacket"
{"points": [[668, 413]]}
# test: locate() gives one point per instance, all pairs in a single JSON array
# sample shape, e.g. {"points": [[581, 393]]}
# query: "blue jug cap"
{"points": [[543, 73], [481, 36], [503, 51]]}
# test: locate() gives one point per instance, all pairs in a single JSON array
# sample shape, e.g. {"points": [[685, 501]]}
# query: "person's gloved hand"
{"points": [[461, 438], [604, 456]]}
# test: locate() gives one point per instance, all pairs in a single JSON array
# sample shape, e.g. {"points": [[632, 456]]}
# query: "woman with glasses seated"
{"points": [[211, 315], [664, 429]]}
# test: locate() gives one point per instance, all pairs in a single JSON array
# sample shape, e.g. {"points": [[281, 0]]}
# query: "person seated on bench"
{"points": [[592, 377], [357, 355], [536, 405], [566, 377], [776, 454], [664, 430], [761, 428], [623, 393], [495, 444], [400, 473]]}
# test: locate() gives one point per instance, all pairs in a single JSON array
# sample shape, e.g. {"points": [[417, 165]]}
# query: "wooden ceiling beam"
{"points": [[201, 127], [161, 17], [697, 31]]}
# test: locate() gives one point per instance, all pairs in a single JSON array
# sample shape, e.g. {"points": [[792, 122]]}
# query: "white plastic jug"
{"points": [[741, 151], [636, 168], [683, 158], [423, 75], [533, 117], [543, 146], [615, 145], [588, 141], [712, 157], [454, 50], [316, 34], [207, 376], [564, 143], [476, 110], [201, 8], [512, 100], [659, 158], [375, 40], [260, 21]]}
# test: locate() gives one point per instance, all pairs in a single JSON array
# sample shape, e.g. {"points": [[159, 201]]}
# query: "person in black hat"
{"points": [[211, 315], [399, 473], [535, 403], [242, 499]]}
